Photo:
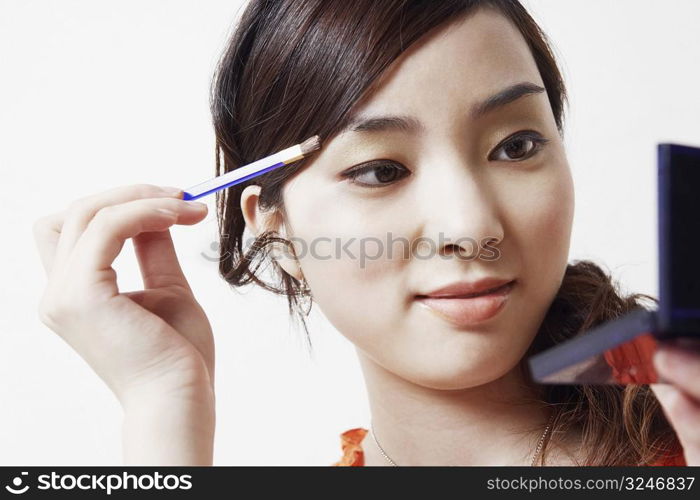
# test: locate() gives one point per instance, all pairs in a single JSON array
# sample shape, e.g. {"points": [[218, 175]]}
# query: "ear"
{"points": [[259, 221]]}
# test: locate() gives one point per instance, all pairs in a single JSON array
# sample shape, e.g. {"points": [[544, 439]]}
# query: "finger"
{"points": [[47, 231], [682, 411], [104, 236], [155, 253], [680, 366], [136, 295], [80, 212]]}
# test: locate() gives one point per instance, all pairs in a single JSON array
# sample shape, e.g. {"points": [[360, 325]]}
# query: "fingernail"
{"points": [[661, 359], [670, 359], [172, 191], [167, 212], [195, 205]]}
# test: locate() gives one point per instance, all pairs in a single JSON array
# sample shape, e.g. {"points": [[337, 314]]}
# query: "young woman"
{"points": [[442, 172]]}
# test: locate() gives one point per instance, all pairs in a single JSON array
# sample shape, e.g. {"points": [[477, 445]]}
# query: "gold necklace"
{"points": [[534, 458]]}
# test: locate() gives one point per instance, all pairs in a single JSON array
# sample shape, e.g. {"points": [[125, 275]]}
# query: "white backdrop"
{"points": [[99, 94]]}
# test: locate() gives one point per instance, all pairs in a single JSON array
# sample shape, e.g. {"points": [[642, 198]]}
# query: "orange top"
{"points": [[631, 363], [353, 456]]}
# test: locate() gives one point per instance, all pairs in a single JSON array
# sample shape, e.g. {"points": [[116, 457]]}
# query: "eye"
{"points": [[377, 173], [519, 146]]}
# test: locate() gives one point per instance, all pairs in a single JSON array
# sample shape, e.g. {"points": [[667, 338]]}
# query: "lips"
{"points": [[463, 289], [466, 304]]}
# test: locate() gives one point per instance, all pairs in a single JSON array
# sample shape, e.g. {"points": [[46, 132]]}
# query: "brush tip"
{"points": [[311, 144]]}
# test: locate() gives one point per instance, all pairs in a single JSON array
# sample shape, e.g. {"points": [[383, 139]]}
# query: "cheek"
{"points": [[556, 211], [343, 253], [543, 223], [550, 213]]}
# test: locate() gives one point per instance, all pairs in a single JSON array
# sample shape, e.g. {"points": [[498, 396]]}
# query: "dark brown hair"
{"points": [[619, 424], [294, 69]]}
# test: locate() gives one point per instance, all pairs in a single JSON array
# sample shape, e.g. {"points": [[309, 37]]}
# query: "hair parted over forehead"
{"points": [[293, 69]]}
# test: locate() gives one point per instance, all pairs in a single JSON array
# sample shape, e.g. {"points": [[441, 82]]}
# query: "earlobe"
{"points": [[286, 255], [289, 264], [258, 222]]}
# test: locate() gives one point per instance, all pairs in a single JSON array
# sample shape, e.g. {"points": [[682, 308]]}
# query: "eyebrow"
{"points": [[410, 124]]}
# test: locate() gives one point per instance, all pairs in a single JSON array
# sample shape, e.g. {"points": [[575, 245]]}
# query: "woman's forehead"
{"points": [[469, 59]]}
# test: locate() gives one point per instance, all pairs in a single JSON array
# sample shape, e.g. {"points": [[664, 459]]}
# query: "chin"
{"points": [[457, 375]]}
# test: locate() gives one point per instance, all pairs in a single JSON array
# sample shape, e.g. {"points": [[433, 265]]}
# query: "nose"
{"points": [[459, 209]]}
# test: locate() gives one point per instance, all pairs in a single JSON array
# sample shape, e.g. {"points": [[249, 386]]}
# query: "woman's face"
{"points": [[452, 178]]}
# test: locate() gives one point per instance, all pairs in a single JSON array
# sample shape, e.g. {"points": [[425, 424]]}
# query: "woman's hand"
{"points": [[153, 347], [679, 364]]}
